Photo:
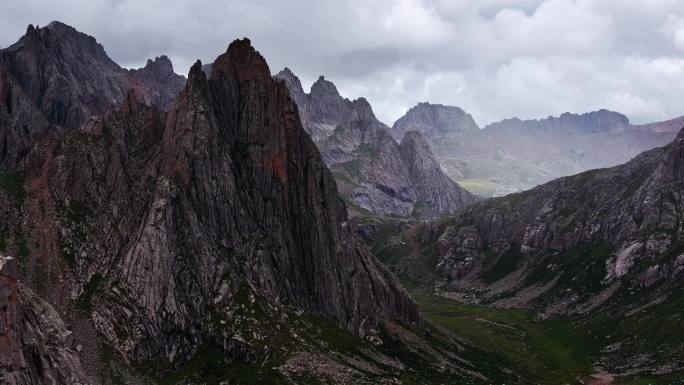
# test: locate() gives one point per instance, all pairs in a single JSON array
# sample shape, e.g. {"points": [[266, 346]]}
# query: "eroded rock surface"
{"points": [[172, 220], [70, 78], [35, 346], [366, 160]]}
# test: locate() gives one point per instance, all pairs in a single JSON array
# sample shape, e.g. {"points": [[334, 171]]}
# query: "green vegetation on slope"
{"points": [[482, 187], [542, 352], [13, 185]]}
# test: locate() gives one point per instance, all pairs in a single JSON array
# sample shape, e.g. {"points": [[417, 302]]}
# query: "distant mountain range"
{"points": [[605, 246], [515, 155], [215, 229]]}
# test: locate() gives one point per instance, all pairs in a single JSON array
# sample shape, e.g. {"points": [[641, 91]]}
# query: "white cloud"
{"points": [[494, 58], [674, 29]]}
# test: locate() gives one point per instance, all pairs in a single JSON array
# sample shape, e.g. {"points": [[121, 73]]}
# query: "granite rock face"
{"points": [[364, 157], [172, 221], [434, 189], [21, 123], [514, 155], [35, 346], [159, 84], [69, 76]]}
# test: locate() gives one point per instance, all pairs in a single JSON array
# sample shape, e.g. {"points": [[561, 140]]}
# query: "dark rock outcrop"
{"points": [[171, 221], [160, 85], [35, 346], [20, 122], [69, 77]]}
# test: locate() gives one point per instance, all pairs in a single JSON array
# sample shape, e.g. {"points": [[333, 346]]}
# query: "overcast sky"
{"points": [[494, 58]]}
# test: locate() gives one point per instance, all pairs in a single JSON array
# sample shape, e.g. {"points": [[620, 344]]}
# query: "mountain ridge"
{"points": [[69, 76], [514, 154], [367, 160]]}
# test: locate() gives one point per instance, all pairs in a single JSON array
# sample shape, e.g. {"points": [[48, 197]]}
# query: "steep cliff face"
{"points": [[69, 76], [35, 346], [171, 221], [367, 164], [365, 159], [20, 122], [439, 193]]}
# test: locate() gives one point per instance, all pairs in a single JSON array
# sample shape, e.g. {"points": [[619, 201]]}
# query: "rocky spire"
{"points": [[160, 68], [242, 63], [324, 89], [291, 81], [242, 197]]}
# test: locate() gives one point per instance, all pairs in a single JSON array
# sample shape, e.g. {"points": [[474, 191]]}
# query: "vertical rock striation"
{"points": [[20, 122], [171, 218], [434, 189], [35, 346]]}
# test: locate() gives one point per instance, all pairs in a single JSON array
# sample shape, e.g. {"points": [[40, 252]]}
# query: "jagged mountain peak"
{"points": [[291, 81], [241, 62], [361, 110], [196, 72], [324, 88], [56, 35], [69, 77], [161, 66]]}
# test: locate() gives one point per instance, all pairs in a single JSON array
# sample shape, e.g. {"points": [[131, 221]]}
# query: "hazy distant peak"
{"points": [[324, 87], [594, 121], [435, 120]]}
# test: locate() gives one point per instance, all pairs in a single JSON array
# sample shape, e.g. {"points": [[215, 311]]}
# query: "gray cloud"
{"points": [[496, 58]]}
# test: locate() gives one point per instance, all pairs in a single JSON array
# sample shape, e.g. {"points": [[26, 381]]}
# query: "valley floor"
{"points": [[551, 351]]}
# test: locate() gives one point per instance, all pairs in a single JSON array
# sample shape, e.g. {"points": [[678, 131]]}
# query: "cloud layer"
{"points": [[495, 58]]}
